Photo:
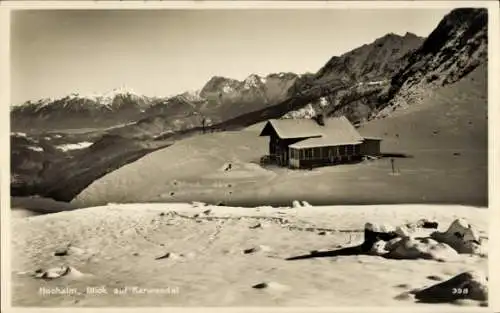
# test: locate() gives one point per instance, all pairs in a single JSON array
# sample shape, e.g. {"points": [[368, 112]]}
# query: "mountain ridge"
{"points": [[455, 48], [218, 94]]}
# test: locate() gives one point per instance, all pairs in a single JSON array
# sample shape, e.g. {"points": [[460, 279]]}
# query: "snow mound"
{"points": [[19, 134], [36, 149], [74, 146]]}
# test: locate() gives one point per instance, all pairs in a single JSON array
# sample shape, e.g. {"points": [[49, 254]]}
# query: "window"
{"points": [[331, 151], [349, 149]]}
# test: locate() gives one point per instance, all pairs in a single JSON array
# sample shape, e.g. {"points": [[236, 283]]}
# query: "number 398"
{"points": [[460, 291]]}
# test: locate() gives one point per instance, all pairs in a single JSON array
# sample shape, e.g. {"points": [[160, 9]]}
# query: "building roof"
{"points": [[336, 131], [324, 142], [372, 138], [293, 128]]}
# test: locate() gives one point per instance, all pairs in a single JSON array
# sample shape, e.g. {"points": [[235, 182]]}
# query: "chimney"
{"points": [[320, 119]]}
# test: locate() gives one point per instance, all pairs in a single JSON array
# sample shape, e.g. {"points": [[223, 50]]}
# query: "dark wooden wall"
{"points": [[279, 148], [370, 147]]}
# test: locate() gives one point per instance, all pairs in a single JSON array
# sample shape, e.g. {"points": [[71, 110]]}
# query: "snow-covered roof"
{"points": [[335, 131]]}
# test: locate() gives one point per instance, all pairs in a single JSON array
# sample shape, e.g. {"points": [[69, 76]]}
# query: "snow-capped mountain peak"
{"points": [[121, 91], [227, 88], [192, 95], [75, 102], [44, 102], [251, 81]]}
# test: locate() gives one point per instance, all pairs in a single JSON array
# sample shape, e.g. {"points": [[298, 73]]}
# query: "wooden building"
{"points": [[299, 143]]}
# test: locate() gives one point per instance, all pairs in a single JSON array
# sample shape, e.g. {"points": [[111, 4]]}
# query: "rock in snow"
{"points": [[260, 248], [403, 242], [300, 204], [411, 248], [57, 272], [461, 236], [198, 204], [468, 285], [270, 285], [306, 204]]}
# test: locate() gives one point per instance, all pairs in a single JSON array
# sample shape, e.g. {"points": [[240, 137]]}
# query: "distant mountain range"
{"points": [[121, 106], [221, 97], [80, 111]]}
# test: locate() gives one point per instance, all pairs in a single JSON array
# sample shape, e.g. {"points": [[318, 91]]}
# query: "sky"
{"points": [[166, 52]]}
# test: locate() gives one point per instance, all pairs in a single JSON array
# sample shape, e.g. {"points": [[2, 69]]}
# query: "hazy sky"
{"points": [[166, 52]]}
